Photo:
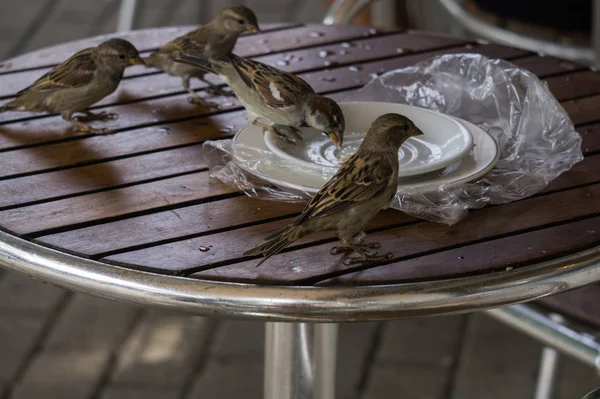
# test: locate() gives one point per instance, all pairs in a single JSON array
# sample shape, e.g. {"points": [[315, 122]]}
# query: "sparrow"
{"points": [[217, 38], [362, 186], [270, 93], [79, 82]]}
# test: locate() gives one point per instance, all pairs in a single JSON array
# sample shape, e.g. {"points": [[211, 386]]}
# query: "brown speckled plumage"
{"points": [[215, 39], [79, 82], [364, 184]]}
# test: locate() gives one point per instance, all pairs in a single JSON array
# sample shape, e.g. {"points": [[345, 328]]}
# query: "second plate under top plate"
{"points": [[445, 140]]}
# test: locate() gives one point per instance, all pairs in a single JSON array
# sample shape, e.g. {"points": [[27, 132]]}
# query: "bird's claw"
{"points": [[365, 246], [98, 131], [217, 91], [202, 102], [367, 258], [288, 134], [100, 116]]}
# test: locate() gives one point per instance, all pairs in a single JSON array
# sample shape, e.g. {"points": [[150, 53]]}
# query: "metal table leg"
{"points": [[300, 361], [126, 15], [548, 367]]}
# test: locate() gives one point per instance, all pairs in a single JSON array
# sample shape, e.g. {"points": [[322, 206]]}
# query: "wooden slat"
{"points": [[169, 226], [34, 219], [503, 255], [144, 40], [97, 148], [591, 138], [62, 182], [158, 110], [151, 86], [70, 152], [86, 240], [314, 263], [176, 223], [179, 190], [547, 65], [248, 46], [574, 85], [584, 110], [100, 176]]}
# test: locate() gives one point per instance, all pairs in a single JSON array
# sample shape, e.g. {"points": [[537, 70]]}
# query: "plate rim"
{"points": [[270, 141], [426, 189]]}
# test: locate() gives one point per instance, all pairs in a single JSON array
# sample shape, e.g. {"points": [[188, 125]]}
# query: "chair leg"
{"points": [[546, 380], [344, 11], [300, 361], [126, 15], [547, 374]]}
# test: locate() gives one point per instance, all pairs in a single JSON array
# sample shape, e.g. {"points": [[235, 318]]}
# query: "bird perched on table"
{"points": [[270, 93], [364, 184], [217, 38], [82, 80]]}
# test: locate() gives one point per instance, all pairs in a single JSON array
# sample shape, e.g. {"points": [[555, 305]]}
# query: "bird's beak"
{"points": [[252, 28], [137, 61], [337, 138], [416, 132]]}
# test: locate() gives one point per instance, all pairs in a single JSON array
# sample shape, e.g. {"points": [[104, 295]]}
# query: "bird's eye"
{"points": [[121, 56], [241, 21]]}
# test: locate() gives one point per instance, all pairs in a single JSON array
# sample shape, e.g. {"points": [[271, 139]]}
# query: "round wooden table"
{"points": [[133, 215]]}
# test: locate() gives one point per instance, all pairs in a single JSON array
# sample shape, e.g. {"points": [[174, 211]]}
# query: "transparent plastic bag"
{"points": [[536, 139]]}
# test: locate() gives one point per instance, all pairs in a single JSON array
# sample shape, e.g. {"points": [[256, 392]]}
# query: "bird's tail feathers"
{"points": [[277, 242], [198, 60], [7, 107]]}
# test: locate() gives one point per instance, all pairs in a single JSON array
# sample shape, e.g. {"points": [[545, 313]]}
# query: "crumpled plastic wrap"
{"points": [[536, 138]]}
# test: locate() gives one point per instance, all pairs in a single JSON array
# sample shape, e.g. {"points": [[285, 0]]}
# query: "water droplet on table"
{"points": [[567, 65], [343, 52], [226, 129], [203, 249], [354, 68], [164, 130], [328, 79], [461, 257], [400, 50], [325, 53], [316, 34], [282, 63], [347, 44]]}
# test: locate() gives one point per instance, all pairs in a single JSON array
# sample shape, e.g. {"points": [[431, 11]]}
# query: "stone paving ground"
{"points": [[59, 345]]}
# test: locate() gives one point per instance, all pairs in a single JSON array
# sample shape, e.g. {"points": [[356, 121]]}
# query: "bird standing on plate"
{"points": [[270, 93], [364, 184], [215, 39], [79, 82]]}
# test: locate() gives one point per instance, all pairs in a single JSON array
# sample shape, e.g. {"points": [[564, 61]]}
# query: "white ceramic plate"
{"points": [[445, 140], [251, 154]]}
